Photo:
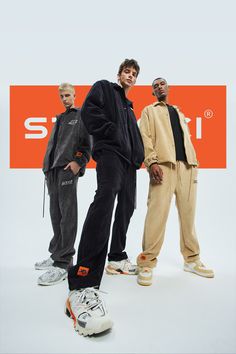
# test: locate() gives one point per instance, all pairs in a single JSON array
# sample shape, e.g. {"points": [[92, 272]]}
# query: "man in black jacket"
{"points": [[118, 150], [67, 154]]}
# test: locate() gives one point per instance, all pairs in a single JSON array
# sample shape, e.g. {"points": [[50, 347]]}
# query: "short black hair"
{"points": [[127, 63], [159, 78]]}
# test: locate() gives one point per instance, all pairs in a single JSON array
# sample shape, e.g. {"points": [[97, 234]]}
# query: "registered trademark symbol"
{"points": [[208, 113]]}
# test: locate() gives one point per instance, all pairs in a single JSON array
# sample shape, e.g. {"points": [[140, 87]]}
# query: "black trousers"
{"points": [[62, 189], [115, 177]]}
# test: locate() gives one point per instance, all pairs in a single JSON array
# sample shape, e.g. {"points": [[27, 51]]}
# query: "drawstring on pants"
{"points": [[190, 184], [44, 183], [179, 173], [171, 177]]}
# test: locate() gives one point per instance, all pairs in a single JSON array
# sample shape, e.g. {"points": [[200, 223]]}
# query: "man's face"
{"points": [[67, 97], [160, 89], [128, 77]]}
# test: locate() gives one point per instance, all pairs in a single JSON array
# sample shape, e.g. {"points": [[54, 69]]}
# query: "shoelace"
{"points": [[90, 297], [45, 261], [145, 270], [128, 265], [52, 271]]}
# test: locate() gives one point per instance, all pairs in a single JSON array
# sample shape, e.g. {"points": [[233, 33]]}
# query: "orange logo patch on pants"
{"points": [[82, 271]]}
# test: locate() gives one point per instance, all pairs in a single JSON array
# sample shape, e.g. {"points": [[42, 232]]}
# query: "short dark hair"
{"points": [[127, 63], [159, 78]]}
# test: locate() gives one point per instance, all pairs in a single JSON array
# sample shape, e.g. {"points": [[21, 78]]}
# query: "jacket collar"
{"points": [[121, 90], [157, 103], [75, 109]]}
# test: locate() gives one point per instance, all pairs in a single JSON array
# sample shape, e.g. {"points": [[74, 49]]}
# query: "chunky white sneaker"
{"points": [[53, 276], [144, 276], [121, 267], [88, 311], [198, 268], [44, 265]]}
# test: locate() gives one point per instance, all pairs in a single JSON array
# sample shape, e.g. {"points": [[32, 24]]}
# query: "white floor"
{"points": [[179, 313]]}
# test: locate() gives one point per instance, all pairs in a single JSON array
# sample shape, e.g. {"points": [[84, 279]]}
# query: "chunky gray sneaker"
{"points": [[44, 265], [88, 311], [53, 276], [121, 267]]}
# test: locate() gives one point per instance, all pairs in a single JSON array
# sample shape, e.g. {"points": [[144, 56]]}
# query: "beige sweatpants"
{"points": [[181, 180]]}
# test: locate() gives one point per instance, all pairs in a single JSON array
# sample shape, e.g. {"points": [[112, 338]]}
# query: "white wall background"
{"points": [[48, 42]]}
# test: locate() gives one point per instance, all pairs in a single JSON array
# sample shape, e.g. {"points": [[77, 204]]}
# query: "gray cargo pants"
{"points": [[62, 190]]}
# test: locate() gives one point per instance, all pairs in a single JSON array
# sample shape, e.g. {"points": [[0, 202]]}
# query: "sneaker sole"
{"points": [[112, 271], [144, 282], [42, 268], [53, 283], [197, 273], [85, 331]]}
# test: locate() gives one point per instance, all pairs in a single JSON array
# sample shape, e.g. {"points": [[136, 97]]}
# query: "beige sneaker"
{"points": [[121, 267], [144, 276], [198, 268]]}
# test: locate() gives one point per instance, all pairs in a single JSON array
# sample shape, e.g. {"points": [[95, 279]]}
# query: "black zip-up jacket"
{"points": [[110, 119], [69, 141]]}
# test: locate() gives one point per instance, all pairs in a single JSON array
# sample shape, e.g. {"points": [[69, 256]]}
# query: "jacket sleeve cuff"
{"points": [[81, 159], [149, 162], [153, 163]]}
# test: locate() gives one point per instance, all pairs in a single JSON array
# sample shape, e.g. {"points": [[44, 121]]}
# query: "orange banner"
{"points": [[33, 110]]}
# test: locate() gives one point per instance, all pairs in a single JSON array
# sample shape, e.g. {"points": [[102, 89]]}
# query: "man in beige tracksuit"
{"points": [[172, 164]]}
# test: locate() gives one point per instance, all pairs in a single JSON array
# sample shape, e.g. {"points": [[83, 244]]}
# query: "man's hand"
{"points": [[156, 174], [74, 166]]}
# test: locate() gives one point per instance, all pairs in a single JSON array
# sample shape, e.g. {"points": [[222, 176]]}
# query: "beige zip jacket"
{"points": [[158, 140]]}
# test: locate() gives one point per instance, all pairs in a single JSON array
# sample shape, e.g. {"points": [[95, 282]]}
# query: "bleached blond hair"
{"points": [[66, 86]]}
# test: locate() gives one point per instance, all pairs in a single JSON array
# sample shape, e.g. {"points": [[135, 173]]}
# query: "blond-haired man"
{"points": [[67, 154]]}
